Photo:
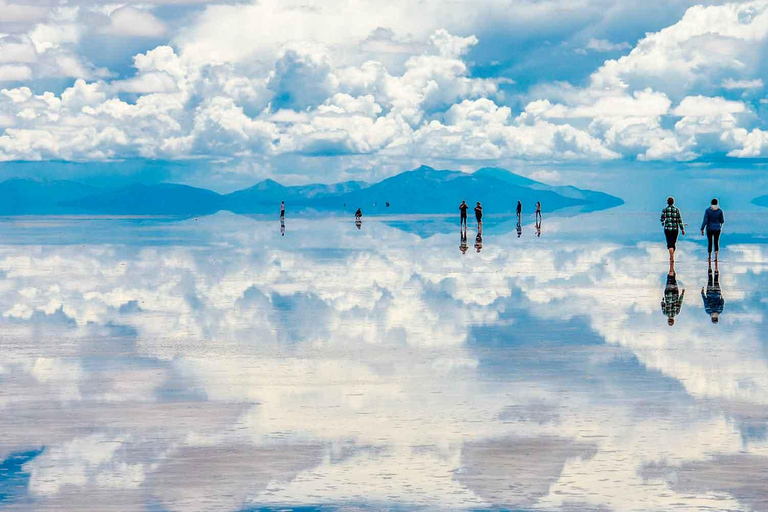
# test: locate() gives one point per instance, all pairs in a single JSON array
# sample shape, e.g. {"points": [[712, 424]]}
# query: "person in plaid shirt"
{"points": [[672, 222], [672, 302]]}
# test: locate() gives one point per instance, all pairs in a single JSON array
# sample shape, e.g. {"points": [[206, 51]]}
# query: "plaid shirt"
{"points": [[671, 219], [673, 302]]}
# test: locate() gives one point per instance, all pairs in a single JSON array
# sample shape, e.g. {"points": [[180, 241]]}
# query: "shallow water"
{"points": [[214, 364]]}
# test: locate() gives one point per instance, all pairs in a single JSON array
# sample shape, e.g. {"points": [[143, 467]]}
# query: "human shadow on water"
{"points": [[713, 298], [672, 301]]}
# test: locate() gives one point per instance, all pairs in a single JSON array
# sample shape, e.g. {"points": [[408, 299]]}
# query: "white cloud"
{"points": [[14, 72], [129, 21], [603, 45], [730, 83]]}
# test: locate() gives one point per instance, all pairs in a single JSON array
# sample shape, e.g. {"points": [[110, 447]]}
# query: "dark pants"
{"points": [[713, 237], [671, 235]]}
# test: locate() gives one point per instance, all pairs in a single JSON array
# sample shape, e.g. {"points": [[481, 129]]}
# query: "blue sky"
{"points": [[223, 94]]}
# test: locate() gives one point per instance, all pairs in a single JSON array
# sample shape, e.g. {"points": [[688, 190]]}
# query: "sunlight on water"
{"points": [[231, 363]]}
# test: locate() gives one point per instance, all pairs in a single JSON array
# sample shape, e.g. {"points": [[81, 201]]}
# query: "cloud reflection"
{"points": [[340, 365]]}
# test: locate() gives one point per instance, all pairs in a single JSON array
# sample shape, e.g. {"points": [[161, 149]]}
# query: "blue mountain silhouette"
{"points": [[422, 190]]}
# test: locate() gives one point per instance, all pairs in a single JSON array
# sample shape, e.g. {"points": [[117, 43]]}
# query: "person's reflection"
{"points": [[282, 226], [463, 246], [359, 223], [479, 238], [673, 297], [519, 229], [538, 228], [713, 299]]}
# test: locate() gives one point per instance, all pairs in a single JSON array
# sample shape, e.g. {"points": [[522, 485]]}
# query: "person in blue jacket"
{"points": [[713, 223]]}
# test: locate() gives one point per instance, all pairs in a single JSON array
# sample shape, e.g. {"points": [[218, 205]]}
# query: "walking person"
{"points": [[282, 209], [463, 207], [673, 223], [537, 215], [713, 222], [479, 215], [713, 299], [519, 211]]}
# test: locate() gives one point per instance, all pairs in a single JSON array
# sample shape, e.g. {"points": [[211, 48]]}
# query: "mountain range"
{"points": [[422, 190]]}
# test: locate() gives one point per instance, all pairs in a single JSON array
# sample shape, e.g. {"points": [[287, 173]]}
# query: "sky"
{"points": [[223, 94]]}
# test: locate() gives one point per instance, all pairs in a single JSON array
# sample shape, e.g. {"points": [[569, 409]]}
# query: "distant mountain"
{"points": [[761, 201], [426, 190], [158, 199], [29, 197], [423, 190], [261, 198]]}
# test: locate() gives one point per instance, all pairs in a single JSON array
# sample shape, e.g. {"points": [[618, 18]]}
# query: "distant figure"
{"points": [[713, 299], [358, 214], [672, 301], [713, 222], [538, 228], [282, 209], [282, 226], [387, 204], [519, 229], [463, 244], [479, 214], [463, 207], [537, 215], [672, 222], [519, 211]]}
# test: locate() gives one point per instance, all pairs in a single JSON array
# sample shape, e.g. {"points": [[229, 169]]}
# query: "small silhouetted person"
{"points": [[519, 229], [672, 222], [672, 301], [479, 214], [463, 207], [713, 299], [537, 215], [358, 214], [463, 244], [519, 211], [387, 204], [282, 226], [282, 209], [713, 222]]}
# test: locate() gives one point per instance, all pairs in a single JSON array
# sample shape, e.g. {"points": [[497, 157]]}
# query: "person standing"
{"points": [[537, 215], [519, 211], [282, 209], [713, 222], [673, 223], [713, 299], [479, 215], [463, 207]]}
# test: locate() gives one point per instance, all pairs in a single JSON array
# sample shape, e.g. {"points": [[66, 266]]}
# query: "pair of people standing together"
{"points": [[673, 225], [463, 207]]}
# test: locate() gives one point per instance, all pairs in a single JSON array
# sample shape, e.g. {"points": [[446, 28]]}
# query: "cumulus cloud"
{"points": [[425, 100], [129, 21]]}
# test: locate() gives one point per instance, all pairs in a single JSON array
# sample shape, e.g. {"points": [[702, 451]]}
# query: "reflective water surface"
{"points": [[234, 363]]}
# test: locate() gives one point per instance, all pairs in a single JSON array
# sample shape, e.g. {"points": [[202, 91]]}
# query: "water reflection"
{"points": [[240, 371], [672, 300], [713, 298], [463, 241]]}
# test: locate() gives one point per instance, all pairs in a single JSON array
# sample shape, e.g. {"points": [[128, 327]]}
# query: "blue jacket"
{"points": [[713, 219]]}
